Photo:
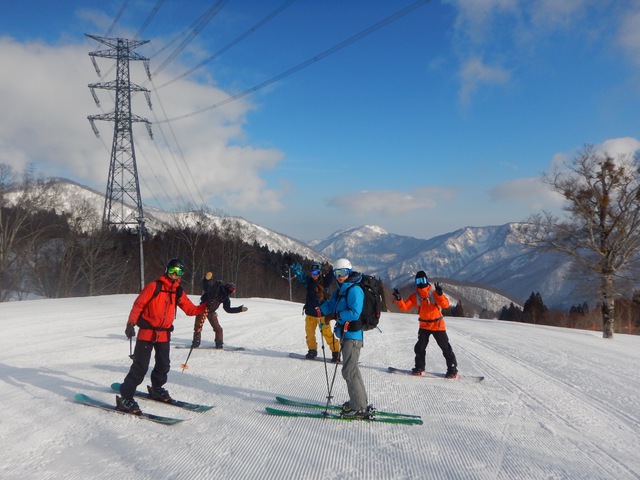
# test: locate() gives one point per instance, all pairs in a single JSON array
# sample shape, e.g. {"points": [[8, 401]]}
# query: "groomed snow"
{"points": [[555, 404]]}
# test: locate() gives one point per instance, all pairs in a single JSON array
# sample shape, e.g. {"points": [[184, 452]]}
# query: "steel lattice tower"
{"points": [[123, 187]]}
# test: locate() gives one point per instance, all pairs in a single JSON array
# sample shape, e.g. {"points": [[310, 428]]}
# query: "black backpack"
{"points": [[372, 305]]}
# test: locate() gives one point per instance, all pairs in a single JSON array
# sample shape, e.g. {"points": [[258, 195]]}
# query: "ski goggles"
{"points": [[421, 281], [175, 271], [341, 272], [315, 272]]}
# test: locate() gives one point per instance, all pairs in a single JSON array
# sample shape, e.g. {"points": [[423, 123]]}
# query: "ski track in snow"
{"points": [[555, 403]]}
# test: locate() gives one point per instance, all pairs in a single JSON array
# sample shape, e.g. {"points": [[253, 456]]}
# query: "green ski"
{"points": [[318, 406], [92, 402], [335, 416]]}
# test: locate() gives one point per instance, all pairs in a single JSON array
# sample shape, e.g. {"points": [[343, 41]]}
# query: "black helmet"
{"points": [[175, 263]]}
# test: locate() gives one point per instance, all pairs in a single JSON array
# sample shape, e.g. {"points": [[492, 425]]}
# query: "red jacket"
{"points": [[158, 314], [430, 314]]}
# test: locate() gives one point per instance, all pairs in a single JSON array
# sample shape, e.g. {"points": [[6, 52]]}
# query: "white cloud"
{"points": [[536, 194], [474, 73], [391, 202], [507, 32], [619, 146], [46, 101], [629, 34], [531, 191]]}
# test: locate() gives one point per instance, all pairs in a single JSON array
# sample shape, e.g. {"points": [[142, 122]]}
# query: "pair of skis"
{"points": [[332, 412], [193, 407]]}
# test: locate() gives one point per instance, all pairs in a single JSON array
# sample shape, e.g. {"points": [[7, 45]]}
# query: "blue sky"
{"points": [[443, 118]]}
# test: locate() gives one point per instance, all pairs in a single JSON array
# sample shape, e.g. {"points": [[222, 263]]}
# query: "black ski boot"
{"points": [[335, 357], [160, 394], [311, 354], [127, 405]]}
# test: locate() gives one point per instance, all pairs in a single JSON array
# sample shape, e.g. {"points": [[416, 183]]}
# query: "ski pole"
{"points": [[324, 358], [184, 365], [335, 370]]}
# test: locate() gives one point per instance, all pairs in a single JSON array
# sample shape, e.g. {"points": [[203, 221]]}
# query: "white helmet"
{"points": [[342, 263]]}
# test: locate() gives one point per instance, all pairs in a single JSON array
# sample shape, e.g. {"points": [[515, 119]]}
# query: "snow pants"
{"points": [[351, 373], [141, 360], [442, 339], [213, 321], [311, 324]]}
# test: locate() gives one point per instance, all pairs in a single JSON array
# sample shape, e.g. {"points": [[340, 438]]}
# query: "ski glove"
{"points": [[438, 289], [244, 309], [130, 331], [396, 294], [296, 268]]}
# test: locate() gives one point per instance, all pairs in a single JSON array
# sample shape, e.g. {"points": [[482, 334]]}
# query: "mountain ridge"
{"points": [[489, 257]]}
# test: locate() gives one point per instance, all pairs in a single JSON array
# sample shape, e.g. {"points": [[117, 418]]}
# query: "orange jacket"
{"points": [[430, 314], [159, 313]]}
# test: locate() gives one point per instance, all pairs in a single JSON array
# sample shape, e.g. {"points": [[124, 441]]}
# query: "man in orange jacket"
{"points": [[429, 304], [154, 311]]}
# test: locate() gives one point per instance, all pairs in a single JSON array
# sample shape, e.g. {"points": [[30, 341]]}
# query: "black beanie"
{"points": [[421, 274]]}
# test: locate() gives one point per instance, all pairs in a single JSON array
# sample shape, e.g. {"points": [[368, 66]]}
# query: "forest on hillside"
{"points": [[51, 254]]}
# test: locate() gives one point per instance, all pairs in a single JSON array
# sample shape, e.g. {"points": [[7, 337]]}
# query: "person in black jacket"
{"points": [[215, 293], [317, 285]]}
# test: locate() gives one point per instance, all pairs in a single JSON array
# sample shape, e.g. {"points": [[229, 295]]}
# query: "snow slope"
{"points": [[555, 403]]}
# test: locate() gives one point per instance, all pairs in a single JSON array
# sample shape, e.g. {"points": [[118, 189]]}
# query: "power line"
{"points": [[200, 24], [175, 139], [233, 43], [149, 19], [310, 61], [117, 18]]}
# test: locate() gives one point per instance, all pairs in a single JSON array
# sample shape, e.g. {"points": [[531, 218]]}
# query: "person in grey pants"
{"points": [[346, 304]]}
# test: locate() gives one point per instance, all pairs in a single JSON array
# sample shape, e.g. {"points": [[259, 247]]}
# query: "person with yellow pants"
{"points": [[317, 285]]}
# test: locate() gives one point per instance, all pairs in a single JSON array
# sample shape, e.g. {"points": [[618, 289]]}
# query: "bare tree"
{"points": [[21, 204], [601, 229], [192, 232]]}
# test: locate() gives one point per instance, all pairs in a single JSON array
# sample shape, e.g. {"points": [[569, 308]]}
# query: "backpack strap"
{"points": [[142, 323], [430, 299], [354, 325]]}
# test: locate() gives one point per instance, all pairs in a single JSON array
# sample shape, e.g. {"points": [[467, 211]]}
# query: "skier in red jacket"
{"points": [[154, 312]]}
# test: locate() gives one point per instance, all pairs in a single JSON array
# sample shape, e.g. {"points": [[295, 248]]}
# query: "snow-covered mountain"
{"points": [[485, 256], [491, 258], [68, 196]]}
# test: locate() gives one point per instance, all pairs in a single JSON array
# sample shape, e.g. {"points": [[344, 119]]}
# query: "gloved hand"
{"points": [[337, 330], [296, 268], [130, 331], [438, 288], [318, 312], [396, 294], [244, 309]]}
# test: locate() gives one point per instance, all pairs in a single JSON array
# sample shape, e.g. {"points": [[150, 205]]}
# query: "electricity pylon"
{"points": [[123, 204]]}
